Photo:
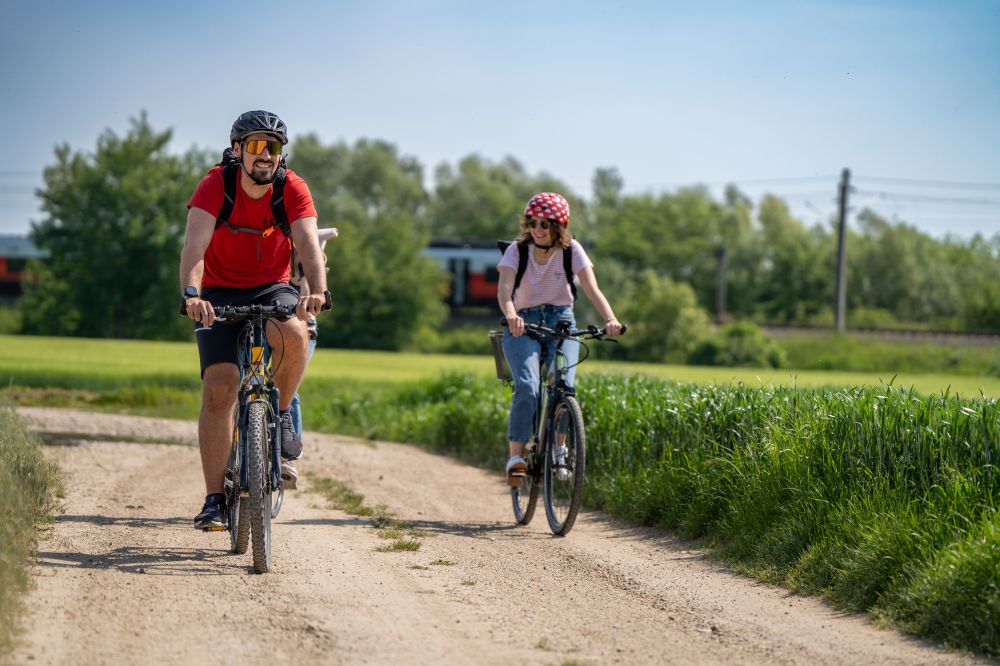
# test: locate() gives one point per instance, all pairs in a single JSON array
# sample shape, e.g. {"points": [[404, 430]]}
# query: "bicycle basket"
{"points": [[503, 369]]}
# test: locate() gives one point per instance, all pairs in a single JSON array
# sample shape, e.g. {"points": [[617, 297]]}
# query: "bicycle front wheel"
{"points": [[259, 472], [563, 477]]}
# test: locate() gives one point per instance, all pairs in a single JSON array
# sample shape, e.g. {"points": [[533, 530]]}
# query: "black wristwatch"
{"points": [[188, 292]]}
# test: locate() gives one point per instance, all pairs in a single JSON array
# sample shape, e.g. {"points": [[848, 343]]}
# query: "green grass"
{"points": [[400, 545], [853, 352], [28, 486], [163, 378]]}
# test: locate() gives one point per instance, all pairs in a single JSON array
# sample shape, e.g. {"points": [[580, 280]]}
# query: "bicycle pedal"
{"points": [[214, 528]]}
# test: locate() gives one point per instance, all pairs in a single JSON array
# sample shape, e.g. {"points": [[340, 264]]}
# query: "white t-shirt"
{"points": [[544, 284]]}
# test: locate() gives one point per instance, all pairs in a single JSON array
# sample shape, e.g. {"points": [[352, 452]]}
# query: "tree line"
{"points": [[114, 222]]}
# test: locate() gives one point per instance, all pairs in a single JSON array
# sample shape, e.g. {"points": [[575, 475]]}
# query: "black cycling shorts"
{"points": [[218, 344]]}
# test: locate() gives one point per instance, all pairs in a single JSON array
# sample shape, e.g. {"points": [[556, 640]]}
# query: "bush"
{"points": [[10, 320], [28, 486], [738, 344], [470, 340], [664, 321]]}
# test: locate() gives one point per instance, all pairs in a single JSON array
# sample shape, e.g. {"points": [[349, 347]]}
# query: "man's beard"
{"points": [[262, 175]]}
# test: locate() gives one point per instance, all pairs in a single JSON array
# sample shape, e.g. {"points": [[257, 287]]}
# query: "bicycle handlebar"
{"points": [[237, 312], [592, 332]]}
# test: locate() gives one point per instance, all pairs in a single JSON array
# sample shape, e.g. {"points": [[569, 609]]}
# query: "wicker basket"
{"points": [[503, 369]]}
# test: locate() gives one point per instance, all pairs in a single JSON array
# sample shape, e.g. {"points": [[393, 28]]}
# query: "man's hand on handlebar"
{"points": [[200, 310], [310, 305]]}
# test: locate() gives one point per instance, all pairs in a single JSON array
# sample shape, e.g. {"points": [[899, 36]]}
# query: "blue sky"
{"points": [[772, 96]]}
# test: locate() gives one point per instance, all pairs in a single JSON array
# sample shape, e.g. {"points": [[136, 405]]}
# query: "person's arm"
{"points": [[588, 281], [505, 296], [197, 236], [312, 298]]}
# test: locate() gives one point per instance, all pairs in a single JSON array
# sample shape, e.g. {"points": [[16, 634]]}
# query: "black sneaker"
{"points": [[213, 515], [291, 445]]}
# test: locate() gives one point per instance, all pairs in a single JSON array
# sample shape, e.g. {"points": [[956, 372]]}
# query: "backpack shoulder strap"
{"points": [[522, 265], [568, 269], [278, 201], [229, 174]]}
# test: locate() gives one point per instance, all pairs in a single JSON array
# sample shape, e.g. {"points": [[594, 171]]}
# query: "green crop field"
{"points": [[102, 365]]}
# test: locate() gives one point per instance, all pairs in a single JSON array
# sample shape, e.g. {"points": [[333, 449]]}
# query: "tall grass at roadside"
{"points": [[880, 499], [28, 487]]}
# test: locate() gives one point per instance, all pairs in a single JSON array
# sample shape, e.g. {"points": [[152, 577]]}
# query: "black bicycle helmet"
{"points": [[253, 122]]}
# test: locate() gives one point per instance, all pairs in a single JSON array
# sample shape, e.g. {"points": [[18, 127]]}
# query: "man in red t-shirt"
{"points": [[243, 262]]}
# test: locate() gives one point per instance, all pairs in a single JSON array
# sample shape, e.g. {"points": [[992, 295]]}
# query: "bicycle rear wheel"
{"points": [[239, 511], [564, 483], [259, 469]]}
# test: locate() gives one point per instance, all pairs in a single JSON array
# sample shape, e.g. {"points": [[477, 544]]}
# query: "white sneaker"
{"points": [[516, 469], [562, 471], [289, 475]]}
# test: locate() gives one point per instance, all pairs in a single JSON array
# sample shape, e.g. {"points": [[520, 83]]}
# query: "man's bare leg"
{"points": [[215, 423]]}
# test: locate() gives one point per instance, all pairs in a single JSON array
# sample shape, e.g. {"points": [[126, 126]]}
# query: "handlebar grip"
{"points": [[624, 328]]}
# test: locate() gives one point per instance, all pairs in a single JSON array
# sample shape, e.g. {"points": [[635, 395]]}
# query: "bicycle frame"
{"points": [[555, 387]]}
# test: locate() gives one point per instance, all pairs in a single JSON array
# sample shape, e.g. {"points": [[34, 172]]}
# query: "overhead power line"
{"points": [[954, 184], [896, 196]]}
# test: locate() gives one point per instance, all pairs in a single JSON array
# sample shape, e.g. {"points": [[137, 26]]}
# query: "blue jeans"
{"points": [[524, 356], [295, 408]]}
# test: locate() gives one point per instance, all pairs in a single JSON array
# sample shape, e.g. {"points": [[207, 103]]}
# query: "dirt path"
{"points": [[123, 578]]}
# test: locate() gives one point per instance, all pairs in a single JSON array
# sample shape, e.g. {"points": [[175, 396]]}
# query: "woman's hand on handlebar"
{"points": [[200, 310], [613, 327], [515, 325]]}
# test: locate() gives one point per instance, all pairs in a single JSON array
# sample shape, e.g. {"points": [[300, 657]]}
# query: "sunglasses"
{"points": [[257, 147], [544, 224]]}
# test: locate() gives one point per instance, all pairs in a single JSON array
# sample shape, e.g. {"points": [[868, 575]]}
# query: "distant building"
{"points": [[15, 251]]}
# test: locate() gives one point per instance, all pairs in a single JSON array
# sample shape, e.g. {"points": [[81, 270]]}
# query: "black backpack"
{"points": [[230, 173], [522, 264]]}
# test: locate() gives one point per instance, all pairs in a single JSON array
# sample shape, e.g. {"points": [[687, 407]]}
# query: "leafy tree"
{"points": [[793, 273], [895, 267], [383, 286], [483, 200], [113, 230]]}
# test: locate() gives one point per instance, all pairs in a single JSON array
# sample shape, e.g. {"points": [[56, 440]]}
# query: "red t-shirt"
{"points": [[244, 259]]}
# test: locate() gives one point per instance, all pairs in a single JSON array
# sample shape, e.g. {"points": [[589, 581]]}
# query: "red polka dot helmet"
{"points": [[550, 206]]}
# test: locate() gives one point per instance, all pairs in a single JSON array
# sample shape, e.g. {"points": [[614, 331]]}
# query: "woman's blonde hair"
{"points": [[560, 233]]}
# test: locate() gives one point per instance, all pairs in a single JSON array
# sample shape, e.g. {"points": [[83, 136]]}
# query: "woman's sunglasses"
{"points": [[544, 224], [257, 147]]}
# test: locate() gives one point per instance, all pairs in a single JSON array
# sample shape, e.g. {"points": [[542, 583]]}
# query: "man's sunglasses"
{"points": [[544, 224], [257, 147]]}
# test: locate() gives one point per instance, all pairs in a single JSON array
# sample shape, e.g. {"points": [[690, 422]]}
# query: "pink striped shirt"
{"points": [[544, 284]]}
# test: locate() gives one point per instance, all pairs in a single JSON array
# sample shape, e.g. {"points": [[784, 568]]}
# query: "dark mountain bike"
{"points": [[558, 423], [253, 485]]}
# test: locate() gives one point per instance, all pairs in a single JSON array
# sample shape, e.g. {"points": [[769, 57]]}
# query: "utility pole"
{"points": [[840, 310], [720, 287]]}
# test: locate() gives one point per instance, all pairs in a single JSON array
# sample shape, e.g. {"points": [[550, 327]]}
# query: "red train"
{"points": [[472, 265]]}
